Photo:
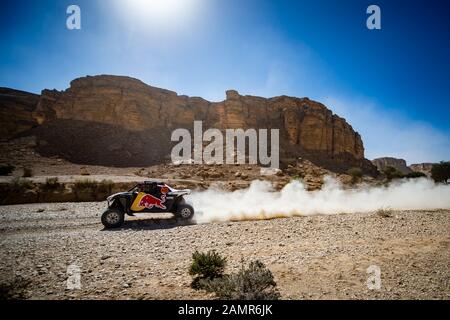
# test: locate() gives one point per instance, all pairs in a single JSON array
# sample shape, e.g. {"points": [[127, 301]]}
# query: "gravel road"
{"points": [[316, 257]]}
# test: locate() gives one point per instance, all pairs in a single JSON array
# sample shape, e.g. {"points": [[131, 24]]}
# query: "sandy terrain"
{"points": [[318, 257]]}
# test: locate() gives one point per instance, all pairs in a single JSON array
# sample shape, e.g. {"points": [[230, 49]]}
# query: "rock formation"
{"points": [[122, 121], [399, 164], [16, 112], [422, 167]]}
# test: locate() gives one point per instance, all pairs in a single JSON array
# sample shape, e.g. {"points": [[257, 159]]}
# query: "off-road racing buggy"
{"points": [[149, 196]]}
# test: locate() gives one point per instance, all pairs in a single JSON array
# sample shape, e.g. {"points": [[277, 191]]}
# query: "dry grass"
{"points": [[20, 185], [384, 212], [103, 187], [51, 184]]}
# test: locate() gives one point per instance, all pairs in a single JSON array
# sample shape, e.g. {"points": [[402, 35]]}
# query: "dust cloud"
{"points": [[259, 201]]}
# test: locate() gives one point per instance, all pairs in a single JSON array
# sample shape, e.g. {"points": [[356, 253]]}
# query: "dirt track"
{"points": [[320, 257]]}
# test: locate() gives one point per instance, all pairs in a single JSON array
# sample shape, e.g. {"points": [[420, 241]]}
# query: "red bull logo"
{"points": [[148, 201]]}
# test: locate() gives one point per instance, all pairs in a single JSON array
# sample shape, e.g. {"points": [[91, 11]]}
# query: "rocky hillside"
{"points": [[399, 164], [120, 121], [422, 167], [16, 109]]}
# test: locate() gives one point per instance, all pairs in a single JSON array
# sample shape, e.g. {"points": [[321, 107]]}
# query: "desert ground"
{"points": [[314, 257], [311, 257]]}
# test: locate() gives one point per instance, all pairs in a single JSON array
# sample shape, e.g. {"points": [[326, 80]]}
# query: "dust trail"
{"points": [[259, 201]]}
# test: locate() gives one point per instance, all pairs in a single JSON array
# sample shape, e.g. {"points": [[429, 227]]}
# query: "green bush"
{"points": [[392, 173], [206, 266], [356, 174], [105, 187], [440, 172], [255, 282], [6, 169], [415, 174], [83, 185], [20, 185], [296, 178], [27, 172], [86, 185], [51, 184]]}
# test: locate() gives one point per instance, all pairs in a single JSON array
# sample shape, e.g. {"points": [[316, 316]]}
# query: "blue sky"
{"points": [[392, 85]]}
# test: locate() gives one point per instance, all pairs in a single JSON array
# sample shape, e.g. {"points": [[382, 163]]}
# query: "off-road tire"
{"points": [[113, 218], [185, 212]]}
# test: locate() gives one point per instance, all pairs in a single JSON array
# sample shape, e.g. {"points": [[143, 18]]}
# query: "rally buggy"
{"points": [[149, 196]]}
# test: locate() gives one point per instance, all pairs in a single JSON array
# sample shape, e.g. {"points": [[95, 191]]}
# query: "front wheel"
{"points": [[113, 218], [185, 212]]}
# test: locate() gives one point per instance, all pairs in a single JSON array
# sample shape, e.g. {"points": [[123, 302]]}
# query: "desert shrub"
{"points": [[356, 174], [392, 173], [105, 186], [27, 172], [88, 185], [415, 174], [51, 184], [298, 177], [83, 185], [20, 185], [254, 282], [206, 266], [384, 212], [141, 172], [440, 172], [6, 169]]}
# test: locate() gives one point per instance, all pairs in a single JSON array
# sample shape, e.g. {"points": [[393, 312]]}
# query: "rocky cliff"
{"points": [[425, 168], [122, 121], [399, 164], [16, 109]]}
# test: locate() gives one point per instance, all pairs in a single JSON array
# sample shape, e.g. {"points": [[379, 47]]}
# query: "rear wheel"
{"points": [[113, 218], [185, 212]]}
